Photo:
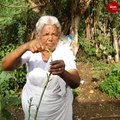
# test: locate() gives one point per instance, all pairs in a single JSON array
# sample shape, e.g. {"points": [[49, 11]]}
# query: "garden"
{"points": [[97, 32]]}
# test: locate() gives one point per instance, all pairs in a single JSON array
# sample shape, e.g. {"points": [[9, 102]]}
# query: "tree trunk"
{"points": [[79, 7], [115, 44], [39, 6], [74, 32], [88, 28]]}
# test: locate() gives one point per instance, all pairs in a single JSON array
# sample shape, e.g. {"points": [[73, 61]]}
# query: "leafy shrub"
{"points": [[88, 46], [76, 92], [5, 115], [95, 49], [111, 84], [16, 24], [17, 21], [11, 82], [87, 50], [99, 69]]}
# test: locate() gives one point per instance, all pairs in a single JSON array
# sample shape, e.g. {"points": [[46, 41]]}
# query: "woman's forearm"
{"points": [[13, 61], [72, 78]]}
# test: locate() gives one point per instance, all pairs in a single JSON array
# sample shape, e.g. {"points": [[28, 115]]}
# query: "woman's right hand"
{"points": [[35, 46]]}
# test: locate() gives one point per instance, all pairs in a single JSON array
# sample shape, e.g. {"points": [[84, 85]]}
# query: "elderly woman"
{"points": [[59, 61]]}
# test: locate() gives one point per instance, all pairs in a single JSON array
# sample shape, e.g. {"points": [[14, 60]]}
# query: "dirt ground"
{"points": [[91, 104]]}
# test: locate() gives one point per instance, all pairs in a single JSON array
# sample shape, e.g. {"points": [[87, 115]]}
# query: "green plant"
{"points": [[14, 30], [95, 49], [45, 86], [76, 92], [87, 51], [42, 94], [88, 46], [5, 101], [8, 95], [10, 84], [111, 84], [105, 47], [100, 69]]}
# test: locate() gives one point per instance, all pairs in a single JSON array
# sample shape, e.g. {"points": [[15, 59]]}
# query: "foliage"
{"points": [[12, 81], [10, 84], [16, 24], [87, 50], [101, 25], [16, 21], [14, 101], [88, 47], [105, 47], [76, 92], [99, 69], [111, 84], [91, 53], [11, 9]]}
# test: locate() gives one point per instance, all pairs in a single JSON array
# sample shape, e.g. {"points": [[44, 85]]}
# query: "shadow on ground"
{"points": [[104, 110]]}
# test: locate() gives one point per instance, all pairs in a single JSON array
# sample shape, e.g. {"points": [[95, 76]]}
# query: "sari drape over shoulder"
{"points": [[57, 100]]}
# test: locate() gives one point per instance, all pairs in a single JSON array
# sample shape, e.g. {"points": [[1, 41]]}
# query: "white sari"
{"points": [[57, 100]]}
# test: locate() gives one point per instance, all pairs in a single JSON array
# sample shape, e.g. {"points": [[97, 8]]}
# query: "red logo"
{"points": [[112, 7]]}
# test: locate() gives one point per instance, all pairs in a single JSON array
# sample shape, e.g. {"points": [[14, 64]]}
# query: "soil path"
{"points": [[92, 104]]}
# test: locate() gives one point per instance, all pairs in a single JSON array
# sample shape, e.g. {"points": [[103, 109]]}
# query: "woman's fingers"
{"points": [[57, 67], [57, 71], [35, 46]]}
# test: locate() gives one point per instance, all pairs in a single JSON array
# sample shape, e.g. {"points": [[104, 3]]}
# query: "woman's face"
{"points": [[49, 36]]}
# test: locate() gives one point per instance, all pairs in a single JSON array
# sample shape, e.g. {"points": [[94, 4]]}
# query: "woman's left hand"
{"points": [[57, 67]]}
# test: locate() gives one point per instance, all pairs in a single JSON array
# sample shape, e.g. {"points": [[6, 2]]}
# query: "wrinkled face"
{"points": [[49, 36]]}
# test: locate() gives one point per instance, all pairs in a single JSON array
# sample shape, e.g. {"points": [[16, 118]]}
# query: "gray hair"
{"points": [[47, 20]]}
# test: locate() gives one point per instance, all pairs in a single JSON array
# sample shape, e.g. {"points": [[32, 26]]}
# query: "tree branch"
{"points": [[11, 6], [34, 6]]}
